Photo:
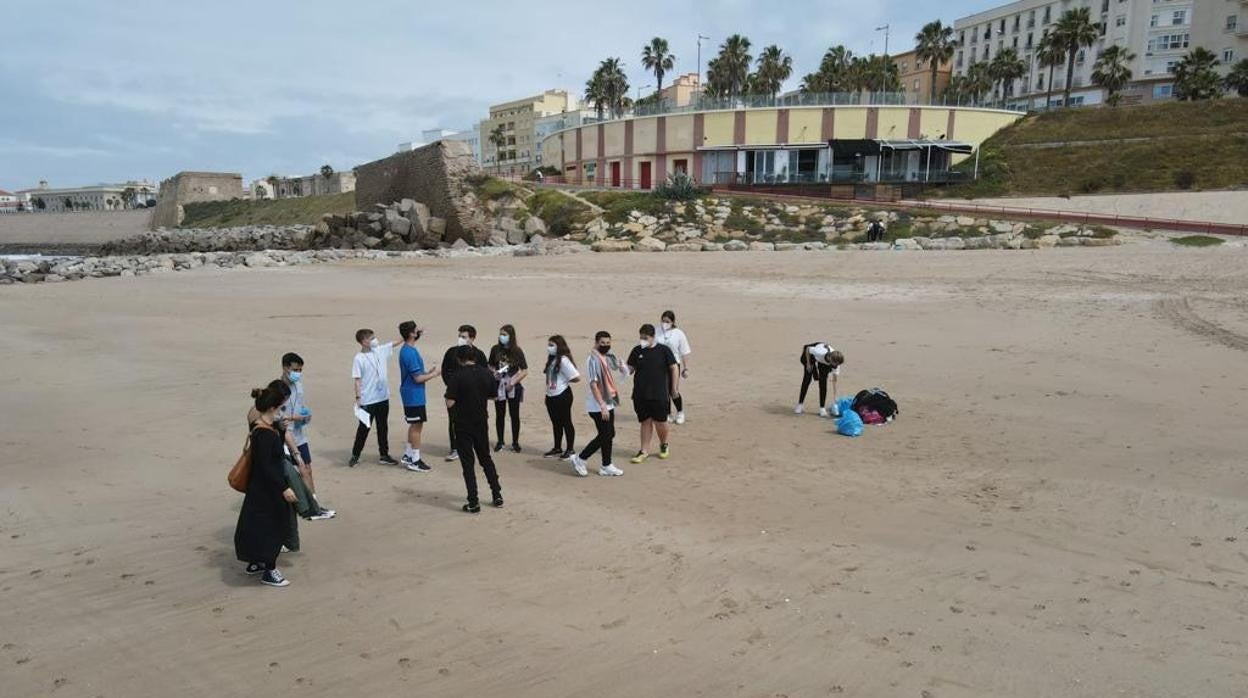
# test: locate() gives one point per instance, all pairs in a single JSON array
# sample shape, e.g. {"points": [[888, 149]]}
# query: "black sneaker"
{"points": [[387, 460], [515, 447], [355, 460], [274, 578], [553, 453], [498, 501], [254, 568], [498, 446], [472, 508], [567, 455], [419, 467]]}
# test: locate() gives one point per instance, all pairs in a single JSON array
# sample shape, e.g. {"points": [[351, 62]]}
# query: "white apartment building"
{"points": [[1158, 32], [100, 197]]}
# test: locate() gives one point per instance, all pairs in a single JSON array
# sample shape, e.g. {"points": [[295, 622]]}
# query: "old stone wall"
{"points": [[191, 187], [435, 175], [69, 230]]}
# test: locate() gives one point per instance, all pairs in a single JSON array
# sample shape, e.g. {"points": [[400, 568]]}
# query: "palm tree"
{"points": [[327, 171], [127, 196], [1050, 55], [1195, 77], [733, 63], [935, 44], [978, 81], [832, 73], [1075, 30], [656, 58], [1237, 79], [774, 67], [1005, 68], [1111, 72], [595, 92], [498, 139], [614, 86]]}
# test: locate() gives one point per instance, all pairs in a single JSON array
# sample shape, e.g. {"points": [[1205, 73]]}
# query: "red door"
{"points": [[645, 175], [615, 174], [680, 165]]}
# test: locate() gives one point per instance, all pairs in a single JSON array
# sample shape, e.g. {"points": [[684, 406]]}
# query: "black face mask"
{"points": [[603, 350]]}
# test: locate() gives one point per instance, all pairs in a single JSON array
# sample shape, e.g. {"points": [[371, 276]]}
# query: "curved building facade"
{"points": [[788, 144]]}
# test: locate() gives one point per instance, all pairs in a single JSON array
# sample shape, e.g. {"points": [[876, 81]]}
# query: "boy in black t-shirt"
{"points": [[468, 394], [655, 370], [450, 364]]}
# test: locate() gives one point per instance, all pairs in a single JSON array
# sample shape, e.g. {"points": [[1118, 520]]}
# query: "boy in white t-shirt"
{"points": [[370, 372], [819, 360]]}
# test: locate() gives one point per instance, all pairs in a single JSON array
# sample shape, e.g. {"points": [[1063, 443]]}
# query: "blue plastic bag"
{"points": [[845, 404], [850, 424]]}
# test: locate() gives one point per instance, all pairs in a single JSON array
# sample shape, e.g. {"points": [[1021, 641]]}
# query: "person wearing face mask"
{"points": [[370, 373], [560, 374], [294, 416], [656, 373], [602, 370], [264, 519], [450, 364], [674, 338], [510, 369], [412, 393]]}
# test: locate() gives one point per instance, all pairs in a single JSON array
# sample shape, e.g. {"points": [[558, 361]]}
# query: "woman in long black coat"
{"points": [[263, 522]]}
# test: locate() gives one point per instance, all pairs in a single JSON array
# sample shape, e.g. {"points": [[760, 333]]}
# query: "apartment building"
{"points": [[916, 75], [100, 197], [518, 120], [1158, 32]]}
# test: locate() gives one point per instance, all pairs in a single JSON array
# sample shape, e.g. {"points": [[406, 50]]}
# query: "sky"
{"points": [[98, 91]]}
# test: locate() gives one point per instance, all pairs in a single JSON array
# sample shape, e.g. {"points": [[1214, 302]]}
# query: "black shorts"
{"points": [[658, 410], [415, 414]]}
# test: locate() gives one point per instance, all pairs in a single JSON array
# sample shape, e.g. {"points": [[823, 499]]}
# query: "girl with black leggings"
{"points": [[819, 360], [560, 374], [509, 367]]}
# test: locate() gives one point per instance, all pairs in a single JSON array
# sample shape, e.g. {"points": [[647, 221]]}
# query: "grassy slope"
{"points": [[224, 214], [1209, 140]]}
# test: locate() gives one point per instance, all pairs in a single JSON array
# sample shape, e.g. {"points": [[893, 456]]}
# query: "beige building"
{"points": [[309, 185], [518, 119], [916, 76], [1158, 32], [682, 90], [100, 197]]}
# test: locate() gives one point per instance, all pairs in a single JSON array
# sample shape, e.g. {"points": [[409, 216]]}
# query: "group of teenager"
{"points": [[281, 487]]}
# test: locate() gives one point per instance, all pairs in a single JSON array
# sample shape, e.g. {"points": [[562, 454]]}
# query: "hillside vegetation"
{"points": [[226, 214], [1162, 147]]}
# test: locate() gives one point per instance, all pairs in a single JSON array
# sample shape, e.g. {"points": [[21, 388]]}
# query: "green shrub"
{"points": [[738, 220], [1197, 241], [679, 187], [559, 211], [618, 208], [490, 188], [1184, 179]]}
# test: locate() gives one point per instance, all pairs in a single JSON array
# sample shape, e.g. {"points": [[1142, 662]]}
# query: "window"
{"points": [[1179, 17], [1029, 41], [1000, 45], [975, 35], [1017, 20], [1048, 15], [1104, 6], [916, 84], [1152, 21], [1162, 91], [1080, 56], [1040, 82], [1001, 27], [1015, 42], [1228, 56], [1232, 23], [1169, 42], [987, 32], [962, 37], [959, 64], [1120, 21], [1031, 20]]}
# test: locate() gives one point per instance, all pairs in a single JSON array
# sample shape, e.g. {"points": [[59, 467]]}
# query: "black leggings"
{"points": [[500, 411], [606, 434], [559, 408], [450, 431], [821, 372], [679, 402]]}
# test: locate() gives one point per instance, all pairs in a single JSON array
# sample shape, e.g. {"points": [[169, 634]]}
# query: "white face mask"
{"points": [[503, 339], [552, 349], [462, 341], [374, 343], [643, 344], [667, 327]]}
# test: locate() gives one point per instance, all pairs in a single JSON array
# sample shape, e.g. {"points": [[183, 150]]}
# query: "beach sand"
{"points": [[1061, 510]]}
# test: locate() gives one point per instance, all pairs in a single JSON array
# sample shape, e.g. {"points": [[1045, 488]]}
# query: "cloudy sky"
{"points": [[102, 90]]}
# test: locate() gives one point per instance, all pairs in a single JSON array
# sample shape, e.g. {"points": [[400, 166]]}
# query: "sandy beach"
{"points": [[1061, 510]]}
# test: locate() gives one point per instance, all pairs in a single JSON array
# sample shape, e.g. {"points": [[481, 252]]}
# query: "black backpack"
{"points": [[878, 400]]}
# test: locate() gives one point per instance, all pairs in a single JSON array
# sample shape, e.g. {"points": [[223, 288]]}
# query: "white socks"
{"points": [[412, 453]]}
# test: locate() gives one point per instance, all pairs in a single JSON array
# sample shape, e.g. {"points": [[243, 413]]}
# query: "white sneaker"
{"points": [[823, 411], [578, 465], [800, 409], [610, 471], [453, 455], [680, 417], [325, 514]]}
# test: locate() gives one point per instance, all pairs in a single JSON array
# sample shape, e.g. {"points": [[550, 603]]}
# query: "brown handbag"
{"points": [[240, 474]]}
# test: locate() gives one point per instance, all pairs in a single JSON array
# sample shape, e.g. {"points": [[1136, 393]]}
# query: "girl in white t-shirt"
{"points": [[674, 337], [560, 373], [819, 360]]}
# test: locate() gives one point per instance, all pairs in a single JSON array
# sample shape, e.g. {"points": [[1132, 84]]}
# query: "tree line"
{"points": [[735, 72]]}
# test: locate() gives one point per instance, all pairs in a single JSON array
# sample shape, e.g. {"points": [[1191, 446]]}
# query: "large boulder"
{"points": [[534, 226], [649, 244], [735, 246], [258, 259], [400, 226], [757, 246], [613, 245], [685, 247]]}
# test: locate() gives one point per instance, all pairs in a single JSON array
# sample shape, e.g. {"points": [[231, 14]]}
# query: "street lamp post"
{"points": [[639, 89], [885, 30], [700, 39]]}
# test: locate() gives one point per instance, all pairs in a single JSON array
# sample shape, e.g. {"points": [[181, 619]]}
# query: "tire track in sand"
{"points": [[1178, 312]]}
